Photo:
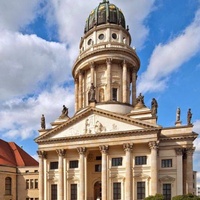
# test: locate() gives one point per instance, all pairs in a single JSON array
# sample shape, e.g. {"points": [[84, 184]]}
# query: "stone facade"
{"points": [[112, 148]]}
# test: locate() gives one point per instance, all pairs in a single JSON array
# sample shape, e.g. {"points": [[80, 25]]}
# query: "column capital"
{"points": [[153, 145], [42, 154], [128, 147], [104, 148], [81, 150], [190, 151], [61, 152], [179, 151], [109, 61], [92, 65]]}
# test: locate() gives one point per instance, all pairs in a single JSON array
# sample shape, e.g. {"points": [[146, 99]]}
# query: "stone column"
{"points": [[80, 97], [61, 154], [109, 63], [129, 180], [189, 176], [81, 151], [92, 72], [104, 181], [76, 95], [42, 155], [179, 171], [154, 167], [124, 82], [134, 78]]}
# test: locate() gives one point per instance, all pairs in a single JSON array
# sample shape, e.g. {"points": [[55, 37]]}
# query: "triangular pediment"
{"points": [[93, 121]]}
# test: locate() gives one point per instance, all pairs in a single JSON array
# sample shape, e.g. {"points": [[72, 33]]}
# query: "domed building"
{"points": [[112, 148]]}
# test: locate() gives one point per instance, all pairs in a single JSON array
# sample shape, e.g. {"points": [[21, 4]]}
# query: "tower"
{"points": [[106, 60], [112, 147]]}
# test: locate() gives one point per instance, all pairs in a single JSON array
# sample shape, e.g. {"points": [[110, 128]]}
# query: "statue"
{"points": [[178, 115], [154, 107], [91, 93], [43, 124], [64, 112], [140, 99], [189, 116]]}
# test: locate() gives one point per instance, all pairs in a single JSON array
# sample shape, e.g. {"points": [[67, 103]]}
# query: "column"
{"points": [[92, 72], [104, 181], [129, 180], [154, 167], [134, 78], [189, 176], [81, 151], [109, 62], [80, 103], [76, 95], [61, 154], [42, 156], [179, 171], [124, 82]]}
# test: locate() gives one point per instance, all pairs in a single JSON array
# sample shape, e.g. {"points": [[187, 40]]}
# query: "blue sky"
{"points": [[39, 43]]}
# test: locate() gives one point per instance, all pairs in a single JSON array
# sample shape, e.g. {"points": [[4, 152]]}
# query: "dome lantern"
{"points": [[103, 14]]}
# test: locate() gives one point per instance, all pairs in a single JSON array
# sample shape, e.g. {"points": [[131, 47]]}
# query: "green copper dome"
{"points": [[103, 14]]}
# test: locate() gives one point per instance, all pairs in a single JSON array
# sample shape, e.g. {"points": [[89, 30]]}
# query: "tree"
{"points": [[186, 197], [155, 197]]}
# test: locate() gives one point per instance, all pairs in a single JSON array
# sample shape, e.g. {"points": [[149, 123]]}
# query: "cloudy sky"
{"points": [[39, 42]]}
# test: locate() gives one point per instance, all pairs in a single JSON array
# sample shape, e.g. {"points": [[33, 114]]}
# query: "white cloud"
{"points": [[27, 61], [20, 118], [16, 14], [167, 58]]}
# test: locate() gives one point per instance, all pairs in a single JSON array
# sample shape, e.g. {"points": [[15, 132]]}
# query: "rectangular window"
{"points": [[117, 161], [167, 191], [140, 160], [53, 165], [73, 164], [116, 191], [140, 190], [166, 163], [31, 184], [36, 183], [54, 192], [73, 191], [27, 184], [114, 94], [98, 168], [8, 186]]}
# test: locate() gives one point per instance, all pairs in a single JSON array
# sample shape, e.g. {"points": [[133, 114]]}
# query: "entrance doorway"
{"points": [[97, 190]]}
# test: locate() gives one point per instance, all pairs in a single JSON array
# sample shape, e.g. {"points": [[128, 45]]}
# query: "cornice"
{"points": [[107, 135]]}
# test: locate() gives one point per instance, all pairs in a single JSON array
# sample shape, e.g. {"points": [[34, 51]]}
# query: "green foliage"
{"points": [[186, 197], [155, 197]]}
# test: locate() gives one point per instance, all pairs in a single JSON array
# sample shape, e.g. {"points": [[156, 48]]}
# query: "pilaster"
{"points": [[134, 78], [124, 82], [179, 170], [80, 96], [109, 75]]}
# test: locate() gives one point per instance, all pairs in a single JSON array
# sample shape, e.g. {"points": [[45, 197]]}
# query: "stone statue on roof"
{"points": [[64, 112], [154, 107], [189, 117], [43, 124], [178, 115]]}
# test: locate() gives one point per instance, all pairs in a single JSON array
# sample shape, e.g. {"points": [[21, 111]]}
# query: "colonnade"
{"points": [[80, 100], [128, 148]]}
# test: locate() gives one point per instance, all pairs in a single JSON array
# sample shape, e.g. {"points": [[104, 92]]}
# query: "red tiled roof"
{"points": [[12, 155]]}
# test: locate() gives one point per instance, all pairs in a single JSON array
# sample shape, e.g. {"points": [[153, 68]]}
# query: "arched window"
{"points": [[8, 186]]}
